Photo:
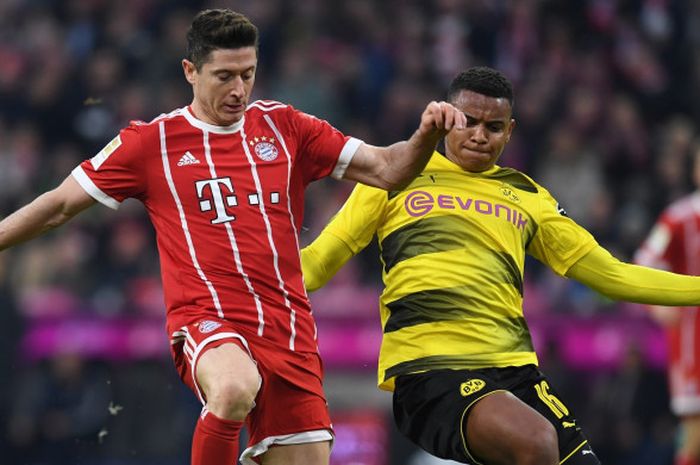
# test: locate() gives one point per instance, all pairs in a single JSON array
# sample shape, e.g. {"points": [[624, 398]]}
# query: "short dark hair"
{"points": [[216, 29], [482, 80]]}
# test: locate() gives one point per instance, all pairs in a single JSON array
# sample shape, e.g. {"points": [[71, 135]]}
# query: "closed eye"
{"points": [[223, 76]]}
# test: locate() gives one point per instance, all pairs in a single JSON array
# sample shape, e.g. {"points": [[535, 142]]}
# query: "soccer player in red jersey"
{"points": [[222, 181], [674, 245]]}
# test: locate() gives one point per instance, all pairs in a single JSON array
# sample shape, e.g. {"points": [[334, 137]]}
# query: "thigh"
{"points": [[533, 388], [430, 408], [499, 425], [316, 453], [291, 408], [192, 343], [228, 361], [500, 408]]}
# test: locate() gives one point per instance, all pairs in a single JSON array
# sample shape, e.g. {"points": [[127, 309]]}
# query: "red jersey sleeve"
{"points": [[660, 250], [117, 172], [323, 149]]}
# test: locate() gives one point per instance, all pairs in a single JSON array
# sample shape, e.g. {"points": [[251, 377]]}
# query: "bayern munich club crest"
{"points": [[208, 326], [264, 147]]}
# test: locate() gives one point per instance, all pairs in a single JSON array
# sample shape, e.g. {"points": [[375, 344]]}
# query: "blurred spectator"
{"points": [[567, 154], [58, 411], [634, 400]]}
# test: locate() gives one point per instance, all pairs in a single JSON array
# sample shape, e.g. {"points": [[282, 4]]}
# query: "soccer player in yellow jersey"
{"points": [[456, 351]]}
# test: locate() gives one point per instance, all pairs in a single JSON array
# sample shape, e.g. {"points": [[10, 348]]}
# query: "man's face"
{"points": [[223, 85], [478, 146]]}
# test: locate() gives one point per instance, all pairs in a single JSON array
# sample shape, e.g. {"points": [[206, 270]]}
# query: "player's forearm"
{"points": [[395, 166], [322, 259], [406, 159], [32, 220], [623, 281], [46, 212]]}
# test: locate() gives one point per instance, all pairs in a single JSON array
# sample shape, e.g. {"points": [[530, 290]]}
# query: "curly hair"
{"points": [[482, 80]]}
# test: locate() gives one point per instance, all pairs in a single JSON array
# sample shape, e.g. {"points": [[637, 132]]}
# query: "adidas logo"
{"points": [[187, 159]]}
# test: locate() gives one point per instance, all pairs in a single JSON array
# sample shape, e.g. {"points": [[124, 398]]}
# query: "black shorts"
{"points": [[430, 408]]}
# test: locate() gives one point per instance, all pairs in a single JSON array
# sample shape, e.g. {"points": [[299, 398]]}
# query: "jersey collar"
{"points": [[235, 127], [440, 161]]}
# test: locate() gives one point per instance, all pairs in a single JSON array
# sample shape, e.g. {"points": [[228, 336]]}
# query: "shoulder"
{"points": [[286, 118], [146, 136], [278, 111], [151, 127], [175, 114], [267, 112], [516, 179], [267, 107], [683, 208], [532, 196]]}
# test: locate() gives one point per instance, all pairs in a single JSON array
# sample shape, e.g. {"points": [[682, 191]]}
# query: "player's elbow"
{"points": [[59, 210], [57, 220], [383, 168], [391, 180], [399, 185]]}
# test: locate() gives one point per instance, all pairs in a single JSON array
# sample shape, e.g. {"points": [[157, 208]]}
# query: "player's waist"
{"points": [[281, 324], [436, 319], [233, 297], [418, 302], [390, 369]]}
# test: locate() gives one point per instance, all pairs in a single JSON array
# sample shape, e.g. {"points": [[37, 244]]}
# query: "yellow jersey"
{"points": [[453, 247]]}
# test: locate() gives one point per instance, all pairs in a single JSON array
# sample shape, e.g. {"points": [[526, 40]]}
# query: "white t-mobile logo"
{"points": [[221, 199]]}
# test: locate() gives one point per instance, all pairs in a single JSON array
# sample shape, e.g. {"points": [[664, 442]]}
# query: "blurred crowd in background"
{"points": [[607, 94]]}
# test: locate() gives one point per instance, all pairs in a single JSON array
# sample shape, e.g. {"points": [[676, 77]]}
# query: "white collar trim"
{"points": [[235, 127]]}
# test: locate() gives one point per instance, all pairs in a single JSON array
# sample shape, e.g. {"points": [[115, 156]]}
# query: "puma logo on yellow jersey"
{"points": [[471, 386]]}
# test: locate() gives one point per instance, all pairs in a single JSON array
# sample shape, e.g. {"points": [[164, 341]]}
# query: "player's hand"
{"points": [[439, 118]]}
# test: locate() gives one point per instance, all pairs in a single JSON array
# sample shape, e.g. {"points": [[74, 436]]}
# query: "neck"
{"points": [[198, 113]]}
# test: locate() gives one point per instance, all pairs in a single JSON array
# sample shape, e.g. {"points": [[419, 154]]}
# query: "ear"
{"points": [[190, 71], [510, 129]]}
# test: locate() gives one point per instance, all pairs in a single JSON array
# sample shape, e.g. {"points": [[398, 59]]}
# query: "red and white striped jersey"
{"points": [[674, 245], [227, 205], [674, 242]]}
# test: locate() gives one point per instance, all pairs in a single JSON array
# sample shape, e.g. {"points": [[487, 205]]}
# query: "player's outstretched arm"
{"points": [[633, 283], [395, 166], [44, 213], [322, 259], [344, 236]]}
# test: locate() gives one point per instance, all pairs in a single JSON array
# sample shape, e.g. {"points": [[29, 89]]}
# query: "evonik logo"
{"points": [[420, 203]]}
